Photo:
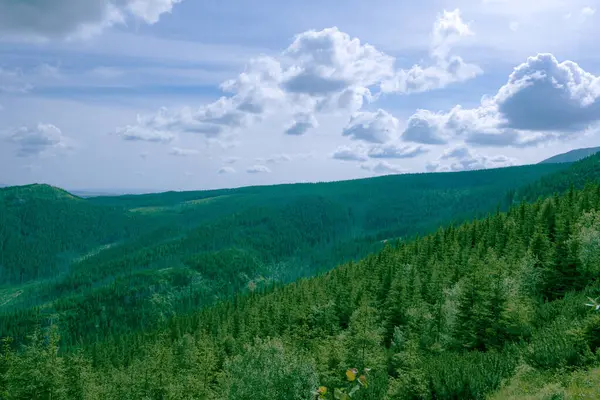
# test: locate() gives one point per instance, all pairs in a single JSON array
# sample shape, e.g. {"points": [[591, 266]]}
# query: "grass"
{"points": [[530, 384]]}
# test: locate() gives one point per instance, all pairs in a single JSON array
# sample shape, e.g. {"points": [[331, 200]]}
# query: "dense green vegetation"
{"points": [[493, 305], [119, 309], [97, 266]]}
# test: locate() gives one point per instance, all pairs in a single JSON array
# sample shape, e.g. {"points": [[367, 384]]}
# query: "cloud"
{"points": [[135, 133], [13, 81], [392, 150], [588, 11], [59, 19], [210, 121], [445, 69], [226, 170], [301, 124], [231, 160], [347, 153], [176, 151], [382, 167], [252, 95], [35, 140], [258, 169], [543, 100], [144, 155], [279, 158], [330, 61], [373, 127], [461, 158], [325, 71], [448, 29]]}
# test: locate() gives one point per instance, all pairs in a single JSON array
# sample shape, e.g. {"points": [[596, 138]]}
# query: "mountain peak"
{"points": [[39, 190], [571, 156]]}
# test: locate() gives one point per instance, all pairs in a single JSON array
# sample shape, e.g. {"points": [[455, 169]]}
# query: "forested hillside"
{"points": [[493, 305], [572, 156], [104, 266]]}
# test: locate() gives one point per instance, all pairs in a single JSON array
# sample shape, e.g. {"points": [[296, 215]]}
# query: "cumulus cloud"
{"points": [[226, 170], [301, 124], [392, 150], [461, 158], [382, 168], [329, 61], [373, 127], [542, 100], [57, 19], [258, 169], [176, 151], [445, 68], [325, 71], [35, 140], [347, 153]]}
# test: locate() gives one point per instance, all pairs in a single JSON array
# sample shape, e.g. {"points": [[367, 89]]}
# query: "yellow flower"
{"points": [[351, 374], [322, 390]]}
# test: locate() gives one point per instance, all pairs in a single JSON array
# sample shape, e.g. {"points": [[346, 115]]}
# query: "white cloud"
{"points": [[446, 68], [461, 158], [448, 29], [226, 170], [57, 19], [542, 100], [588, 11], [382, 168], [392, 150], [323, 71], [329, 61], [513, 26], [35, 140], [347, 153], [176, 151], [301, 124], [258, 169], [374, 127]]}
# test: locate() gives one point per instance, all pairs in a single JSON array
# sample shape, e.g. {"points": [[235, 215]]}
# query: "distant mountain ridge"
{"points": [[571, 156]]}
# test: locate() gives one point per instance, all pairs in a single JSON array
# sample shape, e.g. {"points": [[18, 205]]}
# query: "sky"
{"points": [[154, 95]]}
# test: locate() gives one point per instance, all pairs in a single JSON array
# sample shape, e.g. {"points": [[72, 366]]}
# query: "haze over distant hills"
{"points": [[571, 156]]}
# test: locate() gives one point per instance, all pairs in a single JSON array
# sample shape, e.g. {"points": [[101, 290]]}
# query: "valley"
{"points": [[403, 274]]}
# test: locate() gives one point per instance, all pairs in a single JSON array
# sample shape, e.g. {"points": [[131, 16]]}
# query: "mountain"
{"points": [[495, 306], [572, 156], [66, 255]]}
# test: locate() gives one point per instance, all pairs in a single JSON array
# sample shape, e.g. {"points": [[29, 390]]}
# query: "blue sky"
{"points": [[191, 94]]}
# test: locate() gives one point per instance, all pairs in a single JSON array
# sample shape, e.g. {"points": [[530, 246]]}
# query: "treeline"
{"points": [[451, 315]]}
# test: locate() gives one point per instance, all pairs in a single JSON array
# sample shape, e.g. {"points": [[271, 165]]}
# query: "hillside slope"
{"points": [[112, 256], [453, 315], [42, 228], [572, 156]]}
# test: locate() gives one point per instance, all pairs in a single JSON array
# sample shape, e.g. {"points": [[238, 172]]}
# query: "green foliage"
{"points": [[560, 345], [267, 370], [199, 312]]}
